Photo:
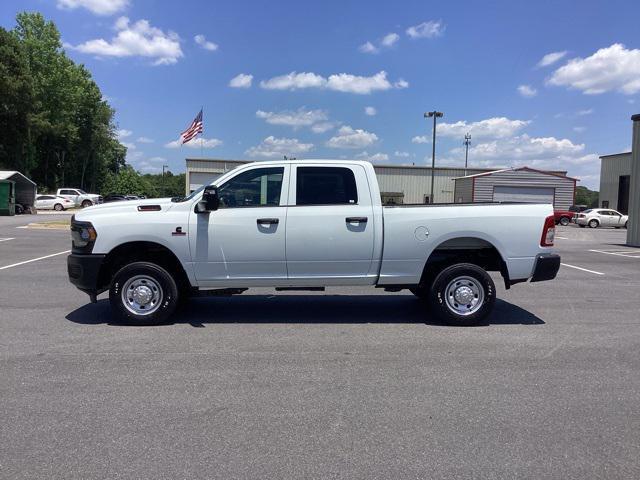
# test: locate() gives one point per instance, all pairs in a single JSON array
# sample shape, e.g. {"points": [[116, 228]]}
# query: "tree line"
{"points": [[55, 125]]}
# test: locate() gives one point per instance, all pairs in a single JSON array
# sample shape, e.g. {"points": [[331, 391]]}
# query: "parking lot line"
{"points": [[6, 239], [34, 260], [562, 238], [618, 253], [583, 269]]}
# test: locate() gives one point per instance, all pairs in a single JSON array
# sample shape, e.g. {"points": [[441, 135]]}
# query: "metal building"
{"points": [[522, 184], [398, 184], [615, 181]]}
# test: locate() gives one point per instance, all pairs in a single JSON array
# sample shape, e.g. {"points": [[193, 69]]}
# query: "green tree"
{"points": [[587, 197], [127, 182]]}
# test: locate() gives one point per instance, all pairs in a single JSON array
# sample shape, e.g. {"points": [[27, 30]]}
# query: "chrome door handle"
{"points": [[267, 221], [356, 219]]}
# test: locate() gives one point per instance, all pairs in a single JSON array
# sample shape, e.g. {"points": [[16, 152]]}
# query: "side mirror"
{"points": [[210, 201]]}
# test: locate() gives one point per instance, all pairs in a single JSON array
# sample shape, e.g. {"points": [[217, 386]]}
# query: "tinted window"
{"points": [[259, 187], [68, 192], [44, 197], [325, 186]]}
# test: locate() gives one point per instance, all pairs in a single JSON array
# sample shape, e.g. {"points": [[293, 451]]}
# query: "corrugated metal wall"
{"points": [[464, 190], [483, 189], [611, 168]]}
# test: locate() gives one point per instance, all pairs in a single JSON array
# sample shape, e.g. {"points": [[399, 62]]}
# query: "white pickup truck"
{"points": [[79, 197], [305, 225]]}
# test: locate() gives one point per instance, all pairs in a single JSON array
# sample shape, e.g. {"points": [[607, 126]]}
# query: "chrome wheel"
{"points": [[142, 295], [464, 295]]}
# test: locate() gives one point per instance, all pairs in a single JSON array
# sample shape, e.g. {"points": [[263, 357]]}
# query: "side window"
{"points": [[260, 187], [325, 186], [68, 192]]}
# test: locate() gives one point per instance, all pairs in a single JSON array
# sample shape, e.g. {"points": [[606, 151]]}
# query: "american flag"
{"points": [[194, 129]]}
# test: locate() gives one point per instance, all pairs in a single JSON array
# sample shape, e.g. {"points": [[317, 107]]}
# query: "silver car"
{"points": [[601, 217]]}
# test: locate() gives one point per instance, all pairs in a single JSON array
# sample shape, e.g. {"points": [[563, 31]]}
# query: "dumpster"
{"points": [[7, 197]]}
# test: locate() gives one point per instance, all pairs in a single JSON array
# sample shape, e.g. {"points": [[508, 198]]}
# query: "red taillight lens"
{"points": [[548, 232]]}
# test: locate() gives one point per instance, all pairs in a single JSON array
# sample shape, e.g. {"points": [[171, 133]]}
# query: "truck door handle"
{"points": [[356, 219], [267, 221]]}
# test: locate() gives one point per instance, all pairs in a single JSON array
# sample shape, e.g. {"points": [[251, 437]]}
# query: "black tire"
{"points": [[582, 226], [594, 223], [19, 209], [167, 299], [440, 306], [86, 203], [564, 221], [58, 207]]}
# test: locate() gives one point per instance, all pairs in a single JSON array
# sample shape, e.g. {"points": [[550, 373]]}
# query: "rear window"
{"points": [[326, 186]]}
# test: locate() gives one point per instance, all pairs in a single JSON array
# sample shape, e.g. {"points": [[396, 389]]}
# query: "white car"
{"points": [[306, 225], [53, 202], [80, 197], [601, 217]]}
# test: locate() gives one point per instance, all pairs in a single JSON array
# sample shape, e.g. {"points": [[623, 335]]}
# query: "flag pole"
{"points": [[202, 136]]}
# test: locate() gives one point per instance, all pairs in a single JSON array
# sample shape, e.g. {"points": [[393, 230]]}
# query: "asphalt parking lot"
{"points": [[349, 383]]}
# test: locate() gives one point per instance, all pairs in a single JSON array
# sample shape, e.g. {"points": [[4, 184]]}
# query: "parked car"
{"points": [[80, 197], [53, 202], [578, 208], [150, 253], [112, 197], [601, 217], [563, 217]]}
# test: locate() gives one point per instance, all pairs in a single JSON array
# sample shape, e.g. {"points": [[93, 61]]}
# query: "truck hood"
{"points": [[124, 206]]}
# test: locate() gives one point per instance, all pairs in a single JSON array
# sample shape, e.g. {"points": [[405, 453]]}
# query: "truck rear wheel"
{"points": [[462, 295], [143, 293]]}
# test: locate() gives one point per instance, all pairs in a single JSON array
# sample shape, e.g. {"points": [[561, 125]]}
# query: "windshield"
{"points": [[587, 211], [190, 196], [82, 192]]}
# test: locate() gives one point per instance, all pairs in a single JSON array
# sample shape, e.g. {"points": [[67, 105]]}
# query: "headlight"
{"points": [[83, 236]]}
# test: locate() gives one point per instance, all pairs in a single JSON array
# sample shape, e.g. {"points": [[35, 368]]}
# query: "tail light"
{"points": [[548, 232]]}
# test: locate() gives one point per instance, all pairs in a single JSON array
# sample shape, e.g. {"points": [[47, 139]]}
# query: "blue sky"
{"points": [[549, 84]]}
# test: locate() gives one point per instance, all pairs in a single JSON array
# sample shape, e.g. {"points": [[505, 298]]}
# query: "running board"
{"points": [[300, 289], [220, 292]]}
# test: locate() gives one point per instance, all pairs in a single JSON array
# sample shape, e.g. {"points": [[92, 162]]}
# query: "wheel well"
{"points": [[464, 250], [142, 252]]}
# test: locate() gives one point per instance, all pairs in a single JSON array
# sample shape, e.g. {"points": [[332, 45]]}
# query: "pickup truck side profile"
{"points": [[79, 197], [305, 225]]}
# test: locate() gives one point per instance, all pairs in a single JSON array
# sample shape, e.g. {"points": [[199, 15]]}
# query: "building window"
{"points": [[605, 203]]}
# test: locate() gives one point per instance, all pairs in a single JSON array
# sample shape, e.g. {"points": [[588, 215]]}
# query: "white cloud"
{"points": [[523, 148], [527, 91], [144, 140], [390, 39], [347, 137], [129, 145], [322, 127], [123, 133], [157, 159], [195, 143], [579, 129], [428, 29], [422, 139], [296, 118], [98, 7], [241, 80], [204, 43], [587, 111], [272, 147], [371, 111], [551, 58], [496, 127], [376, 157], [138, 39], [368, 47], [341, 82], [401, 154], [612, 68]]}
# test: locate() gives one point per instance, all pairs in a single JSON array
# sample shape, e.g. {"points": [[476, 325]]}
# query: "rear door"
{"points": [[330, 224]]}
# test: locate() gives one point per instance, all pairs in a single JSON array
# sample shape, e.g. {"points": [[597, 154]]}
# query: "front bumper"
{"points": [[547, 266], [84, 272]]}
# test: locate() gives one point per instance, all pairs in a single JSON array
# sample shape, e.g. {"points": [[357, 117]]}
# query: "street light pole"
{"points": [[467, 142], [435, 114]]}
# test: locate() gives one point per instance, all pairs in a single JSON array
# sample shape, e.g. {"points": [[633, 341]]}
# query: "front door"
{"points": [[243, 242], [330, 225]]}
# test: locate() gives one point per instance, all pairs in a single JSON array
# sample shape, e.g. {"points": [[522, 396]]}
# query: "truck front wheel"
{"points": [[462, 295], [143, 293]]}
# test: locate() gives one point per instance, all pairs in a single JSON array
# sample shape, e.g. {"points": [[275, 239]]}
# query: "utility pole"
{"points": [[467, 142], [435, 114]]}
